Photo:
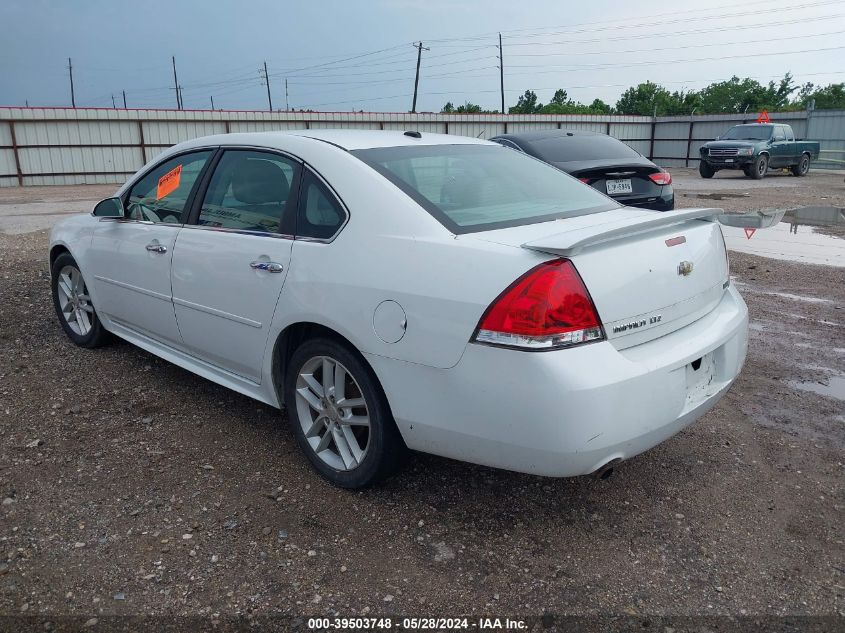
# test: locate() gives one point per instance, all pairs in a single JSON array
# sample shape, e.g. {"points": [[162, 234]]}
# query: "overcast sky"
{"points": [[592, 49]]}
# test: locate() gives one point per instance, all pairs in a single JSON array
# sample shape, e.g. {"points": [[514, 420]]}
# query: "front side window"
{"points": [[320, 214], [483, 187], [163, 193], [249, 191], [779, 134]]}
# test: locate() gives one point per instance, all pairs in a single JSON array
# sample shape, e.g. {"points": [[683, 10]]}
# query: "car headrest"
{"points": [[258, 181]]}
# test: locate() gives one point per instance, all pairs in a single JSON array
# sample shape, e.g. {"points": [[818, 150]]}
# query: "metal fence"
{"points": [[46, 146]]}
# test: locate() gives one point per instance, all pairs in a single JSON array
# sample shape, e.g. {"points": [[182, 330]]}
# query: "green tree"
{"points": [[526, 104], [560, 97], [469, 107], [599, 107], [643, 99], [829, 97], [448, 108], [741, 95]]}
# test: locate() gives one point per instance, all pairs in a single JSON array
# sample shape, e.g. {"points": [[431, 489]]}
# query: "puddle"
{"points": [[835, 387], [716, 195], [793, 238]]}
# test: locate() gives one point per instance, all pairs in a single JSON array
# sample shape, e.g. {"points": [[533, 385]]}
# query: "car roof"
{"points": [[541, 135], [345, 139]]}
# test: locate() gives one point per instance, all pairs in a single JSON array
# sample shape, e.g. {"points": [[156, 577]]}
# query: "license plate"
{"points": [[619, 186]]}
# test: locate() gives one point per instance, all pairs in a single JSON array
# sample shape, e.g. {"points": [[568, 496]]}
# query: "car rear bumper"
{"points": [[661, 198], [566, 412]]}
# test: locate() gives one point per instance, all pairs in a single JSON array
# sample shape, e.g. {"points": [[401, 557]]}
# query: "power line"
{"points": [[671, 48], [611, 65], [603, 26]]}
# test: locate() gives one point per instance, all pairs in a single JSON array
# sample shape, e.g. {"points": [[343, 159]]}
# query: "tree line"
{"points": [[732, 96]]}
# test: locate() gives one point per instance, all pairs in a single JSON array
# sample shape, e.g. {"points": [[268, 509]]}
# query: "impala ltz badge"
{"points": [[684, 268]]}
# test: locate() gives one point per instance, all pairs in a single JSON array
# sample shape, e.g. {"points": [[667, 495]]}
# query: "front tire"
{"points": [[802, 167], [73, 304], [705, 170], [340, 415], [761, 166]]}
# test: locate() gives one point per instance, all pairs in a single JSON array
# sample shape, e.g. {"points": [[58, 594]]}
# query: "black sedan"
{"points": [[602, 162]]}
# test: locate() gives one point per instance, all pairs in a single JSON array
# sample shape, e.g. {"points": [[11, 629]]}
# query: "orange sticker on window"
{"points": [[169, 182]]}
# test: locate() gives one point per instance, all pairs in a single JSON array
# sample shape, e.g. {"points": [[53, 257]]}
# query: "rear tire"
{"points": [[802, 167], [761, 166], [73, 304], [352, 446], [705, 170]]}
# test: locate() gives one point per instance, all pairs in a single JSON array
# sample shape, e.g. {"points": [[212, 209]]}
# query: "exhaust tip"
{"points": [[605, 471]]}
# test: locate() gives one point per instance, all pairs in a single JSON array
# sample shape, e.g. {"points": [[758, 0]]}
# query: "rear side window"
{"points": [[563, 149], [320, 214], [162, 194], [249, 191], [481, 187]]}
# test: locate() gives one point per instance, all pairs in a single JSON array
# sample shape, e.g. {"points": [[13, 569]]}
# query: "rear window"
{"points": [[563, 149], [482, 187]]}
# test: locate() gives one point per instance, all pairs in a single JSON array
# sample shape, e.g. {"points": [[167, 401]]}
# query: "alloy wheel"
{"points": [[333, 413], [74, 300]]}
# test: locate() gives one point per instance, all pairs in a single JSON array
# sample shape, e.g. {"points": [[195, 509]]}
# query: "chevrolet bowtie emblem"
{"points": [[684, 268]]}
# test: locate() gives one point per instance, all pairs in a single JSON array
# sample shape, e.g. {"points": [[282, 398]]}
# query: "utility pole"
{"points": [[267, 81], [70, 70], [212, 102], [124, 99], [113, 104], [287, 105], [502, 73], [176, 85], [420, 48], [181, 99]]}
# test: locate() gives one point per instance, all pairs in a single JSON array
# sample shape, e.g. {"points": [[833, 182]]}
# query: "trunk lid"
{"points": [[648, 273], [598, 173]]}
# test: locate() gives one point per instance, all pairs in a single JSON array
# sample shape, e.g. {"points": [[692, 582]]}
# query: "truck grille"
{"points": [[723, 151]]}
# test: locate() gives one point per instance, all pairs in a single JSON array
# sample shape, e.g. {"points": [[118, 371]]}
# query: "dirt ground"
{"points": [[130, 486]]}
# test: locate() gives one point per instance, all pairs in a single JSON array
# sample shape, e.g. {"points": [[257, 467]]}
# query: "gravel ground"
{"points": [[130, 486]]}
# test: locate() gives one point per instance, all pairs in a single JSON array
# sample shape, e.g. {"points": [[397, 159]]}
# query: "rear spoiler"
{"points": [[569, 243]]}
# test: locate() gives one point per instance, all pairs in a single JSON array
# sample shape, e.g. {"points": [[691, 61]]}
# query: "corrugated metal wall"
{"points": [[40, 146]]}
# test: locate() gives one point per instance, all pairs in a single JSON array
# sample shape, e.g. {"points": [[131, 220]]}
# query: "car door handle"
{"points": [[156, 248], [270, 267]]}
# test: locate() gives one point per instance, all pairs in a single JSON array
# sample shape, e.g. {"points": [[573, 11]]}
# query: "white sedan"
{"points": [[394, 290]]}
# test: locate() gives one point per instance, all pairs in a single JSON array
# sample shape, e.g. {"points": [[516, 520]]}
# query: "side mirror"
{"points": [[109, 208]]}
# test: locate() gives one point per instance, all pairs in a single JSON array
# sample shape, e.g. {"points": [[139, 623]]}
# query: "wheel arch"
{"points": [[297, 333], [55, 251]]}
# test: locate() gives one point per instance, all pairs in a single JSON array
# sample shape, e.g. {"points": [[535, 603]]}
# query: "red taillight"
{"points": [[586, 181], [548, 307], [661, 178]]}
